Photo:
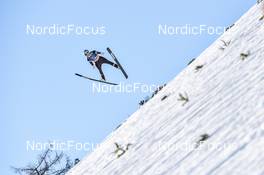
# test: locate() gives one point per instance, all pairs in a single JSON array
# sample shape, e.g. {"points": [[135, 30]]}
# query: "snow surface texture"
{"points": [[226, 103]]}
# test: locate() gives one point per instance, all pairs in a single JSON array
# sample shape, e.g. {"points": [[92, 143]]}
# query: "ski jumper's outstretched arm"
{"points": [[92, 63]]}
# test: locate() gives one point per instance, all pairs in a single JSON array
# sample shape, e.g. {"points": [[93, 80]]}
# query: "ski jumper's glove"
{"points": [[93, 64]]}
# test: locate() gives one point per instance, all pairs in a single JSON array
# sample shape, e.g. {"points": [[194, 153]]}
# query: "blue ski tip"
{"points": [[78, 75], [108, 49]]}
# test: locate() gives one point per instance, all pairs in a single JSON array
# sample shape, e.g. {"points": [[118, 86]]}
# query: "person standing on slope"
{"points": [[96, 59]]}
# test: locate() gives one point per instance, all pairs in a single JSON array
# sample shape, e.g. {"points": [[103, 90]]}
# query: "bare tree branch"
{"points": [[48, 163]]}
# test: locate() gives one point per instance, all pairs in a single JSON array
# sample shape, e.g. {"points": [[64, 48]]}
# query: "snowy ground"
{"points": [[226, 101]]}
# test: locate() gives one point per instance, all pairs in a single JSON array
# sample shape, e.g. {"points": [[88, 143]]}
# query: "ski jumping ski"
{"points": [[117, 62], [100, 81]]}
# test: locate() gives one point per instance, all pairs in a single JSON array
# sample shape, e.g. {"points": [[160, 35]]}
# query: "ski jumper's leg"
{"points": [[98, 64], [106, 61]]}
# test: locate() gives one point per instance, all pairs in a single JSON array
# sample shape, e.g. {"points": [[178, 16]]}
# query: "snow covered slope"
{"points": [[226, 103]]}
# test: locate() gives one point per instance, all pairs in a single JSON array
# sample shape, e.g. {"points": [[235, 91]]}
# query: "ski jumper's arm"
{"points": [[92, 63], [99, 53], [96, 52]]}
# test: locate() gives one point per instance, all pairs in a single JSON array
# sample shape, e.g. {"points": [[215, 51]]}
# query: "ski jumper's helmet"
{"points": [[86, 52]]}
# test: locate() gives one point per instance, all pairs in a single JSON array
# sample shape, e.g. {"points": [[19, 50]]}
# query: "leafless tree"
{"points": [[48, 163]]}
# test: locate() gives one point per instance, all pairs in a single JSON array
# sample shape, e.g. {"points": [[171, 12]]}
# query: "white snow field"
{"points": [[226, 102]]}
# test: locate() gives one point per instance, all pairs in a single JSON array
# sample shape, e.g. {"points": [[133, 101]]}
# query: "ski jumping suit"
{"points": [[95, 57]]}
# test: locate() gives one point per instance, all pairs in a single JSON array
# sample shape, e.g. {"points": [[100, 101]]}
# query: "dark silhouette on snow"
{"points": [[225, 44], [164, 97], [190, 62], [229, 27], [183, 98], [142, 102], [202, 139], [120, 150], [197, 68], [243, 56]]}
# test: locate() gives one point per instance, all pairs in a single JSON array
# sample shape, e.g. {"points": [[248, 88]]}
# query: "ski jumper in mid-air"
{"points": [[96, 59]]}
